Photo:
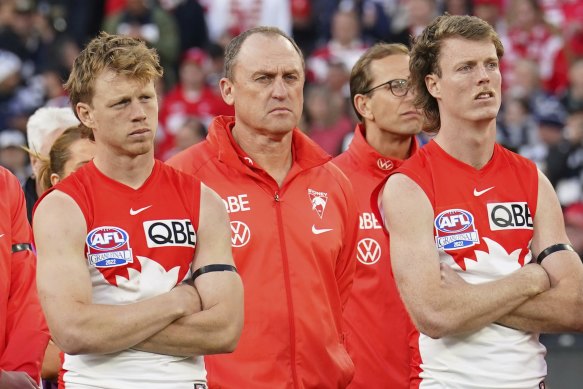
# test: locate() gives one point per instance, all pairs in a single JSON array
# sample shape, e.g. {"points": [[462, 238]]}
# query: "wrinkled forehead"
{"points": [[268, 52]]}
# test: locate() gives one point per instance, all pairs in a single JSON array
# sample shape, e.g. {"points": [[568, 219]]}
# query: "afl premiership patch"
{"points": [[108, 246], [455, 229]]}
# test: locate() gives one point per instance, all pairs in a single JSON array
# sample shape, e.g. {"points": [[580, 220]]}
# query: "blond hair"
{"points": [[121, 54]]}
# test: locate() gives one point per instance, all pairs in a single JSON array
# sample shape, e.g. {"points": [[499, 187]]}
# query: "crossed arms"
{"points": [[534, 298], [198, 319]]}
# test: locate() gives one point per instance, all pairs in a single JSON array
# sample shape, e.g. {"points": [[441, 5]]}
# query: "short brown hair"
{"points": [[122, 54], [60, 154], [234, 46], [425, 56], [360, 77]]}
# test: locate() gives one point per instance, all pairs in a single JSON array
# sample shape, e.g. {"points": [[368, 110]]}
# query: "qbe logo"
{"points": [[170, 232], [368, 251], [509, 216], [108, 246], [455, 229], [240, 234]]}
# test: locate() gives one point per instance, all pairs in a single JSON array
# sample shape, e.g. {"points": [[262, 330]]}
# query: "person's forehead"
{"points": [[461, 49], [109, 82], [274, 50], [390, 67]]}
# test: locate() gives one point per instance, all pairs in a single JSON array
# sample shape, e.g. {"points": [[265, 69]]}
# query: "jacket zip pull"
{"points": [[276, 197]]}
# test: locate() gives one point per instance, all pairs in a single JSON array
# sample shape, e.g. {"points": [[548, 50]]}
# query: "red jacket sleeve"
{"points": [[27, 333]]}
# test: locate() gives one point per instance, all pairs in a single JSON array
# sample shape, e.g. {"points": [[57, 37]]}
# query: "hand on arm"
{"points": [[440, 304], [78, 326], [561, 307], [217, 327]]}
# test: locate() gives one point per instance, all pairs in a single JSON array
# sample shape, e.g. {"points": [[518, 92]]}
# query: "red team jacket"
{"points": [[294, 248], [483, 226], [375, 316], [24, 334]]}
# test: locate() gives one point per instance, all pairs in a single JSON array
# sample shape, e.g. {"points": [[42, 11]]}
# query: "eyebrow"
{"points": [[272, 73]]}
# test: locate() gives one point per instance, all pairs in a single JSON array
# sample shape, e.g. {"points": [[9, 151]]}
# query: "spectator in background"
{"points": [[23, 330], [564, 161], [17, 98], [12, 155], [492, 11], [42, 128], [574, 225], [191, 132], [572, 27], [228, 18], [550, 124], [145, 20], [327, 124], [189, 16], [458, 7], [527, 85], [410, 18], [345, 45], [190, 97], [517, 127], [530, 36], [572, 99]]}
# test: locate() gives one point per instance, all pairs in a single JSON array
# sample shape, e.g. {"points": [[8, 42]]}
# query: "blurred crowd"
{"points": [[542, 111]]}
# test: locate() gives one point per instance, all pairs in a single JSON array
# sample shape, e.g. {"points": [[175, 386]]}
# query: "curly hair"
{"points": [[124, 55], [425, 54]]}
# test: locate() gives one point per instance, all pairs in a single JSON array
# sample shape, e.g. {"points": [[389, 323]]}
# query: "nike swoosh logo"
{"points": [[478, 193], [133, 213], [318, 231]]}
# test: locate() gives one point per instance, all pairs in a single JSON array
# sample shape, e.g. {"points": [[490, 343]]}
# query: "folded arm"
{"points": [[441, 308], [217, 327], [77, 325], [561, 307]]}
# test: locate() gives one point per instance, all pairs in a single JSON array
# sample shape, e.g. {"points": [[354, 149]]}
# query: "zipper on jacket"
{"points": [[290, 304]]}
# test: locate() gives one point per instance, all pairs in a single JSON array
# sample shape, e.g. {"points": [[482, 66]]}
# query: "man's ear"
{"points": [[432, 84], [85, 114], [227, 90], [362, 105]]}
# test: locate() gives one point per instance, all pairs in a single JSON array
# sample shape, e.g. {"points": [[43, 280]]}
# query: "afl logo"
{"points": [[384, 164], [106, 238], [368, 251], [108, 246], [453, 220], [240, 234], [455, 230]]}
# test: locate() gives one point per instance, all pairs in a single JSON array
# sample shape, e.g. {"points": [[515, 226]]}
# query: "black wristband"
{"points": [[211, 268], [21, 247], [551, 249]]}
